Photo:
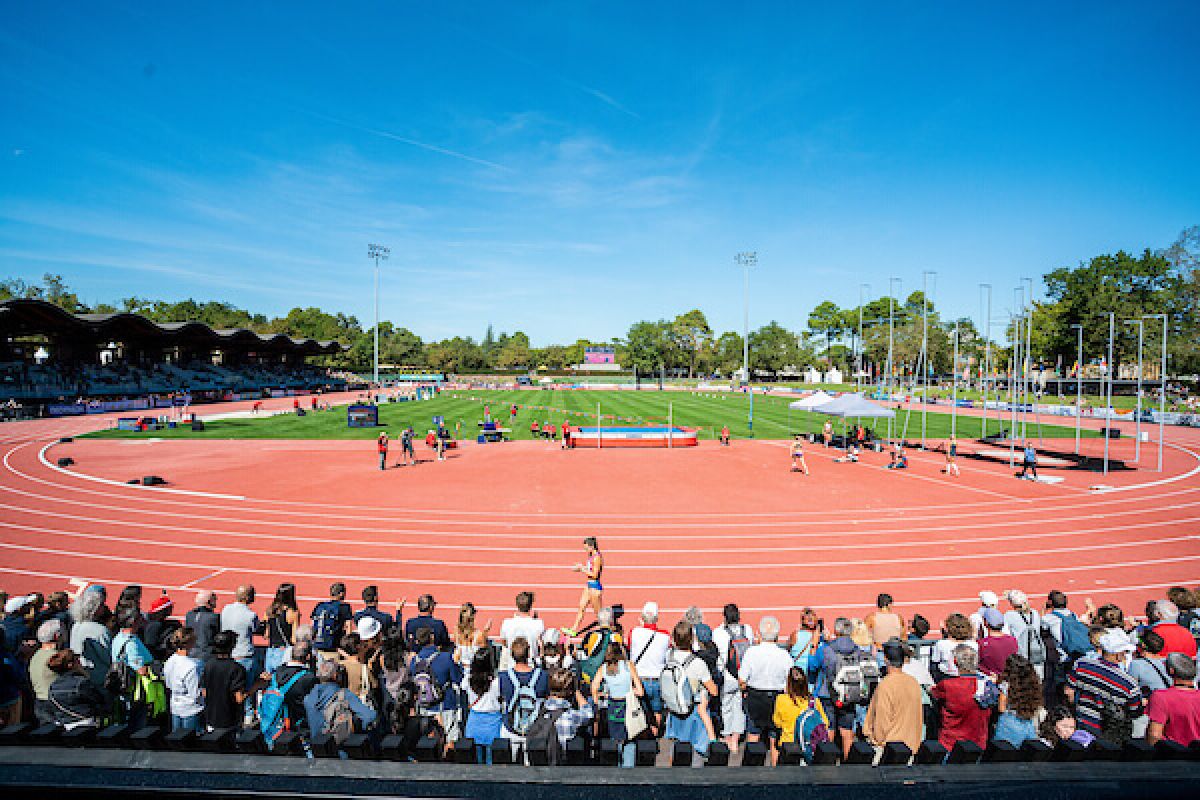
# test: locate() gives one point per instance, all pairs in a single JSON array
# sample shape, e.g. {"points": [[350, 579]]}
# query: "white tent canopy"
{"points": [[817, 398], [854, 405]]}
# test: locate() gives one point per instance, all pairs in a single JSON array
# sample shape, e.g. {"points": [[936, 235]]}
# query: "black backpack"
{"points": [[544, 727]]}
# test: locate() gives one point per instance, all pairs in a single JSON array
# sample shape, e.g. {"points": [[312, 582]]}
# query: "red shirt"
{"points": [[1176, 639], [295, 404], [994, 651], [383, 443], [962, 718], [725, 431], [566, 428], [1178, 711]]}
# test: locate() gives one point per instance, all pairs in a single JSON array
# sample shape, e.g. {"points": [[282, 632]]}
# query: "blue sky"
{"points": [[569, 168]]}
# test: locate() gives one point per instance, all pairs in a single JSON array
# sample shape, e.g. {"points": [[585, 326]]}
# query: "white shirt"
{"points": [[655, 643], [1015, 624], [697, 671], [943, 654], [487, 703], [531, 628], [241, 619], [182, 677], [765, 667], [721, 640]]}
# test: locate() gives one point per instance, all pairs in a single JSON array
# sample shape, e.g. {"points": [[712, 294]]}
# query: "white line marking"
{"points": [[123, 485], [202, 578]]}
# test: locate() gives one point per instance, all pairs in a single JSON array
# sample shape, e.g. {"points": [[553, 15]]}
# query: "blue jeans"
{"points": [[274, 658], [191, 723], [653, 694], [248, 664]]}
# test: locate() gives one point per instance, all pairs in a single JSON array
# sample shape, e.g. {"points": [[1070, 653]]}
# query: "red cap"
{"points": [[161, 604]]}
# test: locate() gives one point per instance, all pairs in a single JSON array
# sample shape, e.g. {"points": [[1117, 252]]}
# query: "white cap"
{"points": [[15, 604], [989, 598], [650, 609], [1116, 642], [1017, 597], [551, 636], [368, 628]]}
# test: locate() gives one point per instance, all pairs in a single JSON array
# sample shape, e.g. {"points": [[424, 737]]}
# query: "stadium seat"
{"points": [[463, 751], [1036, 750], [754, 754], [148, 738], [1067, 750], [1101, 750], [931, 752], [577, 753], [45, 735], [539, 751], [15, 734], [502, 752], [610, 752], [1002, 752], [323, 746], [1165, 750], [250, 742], [79, 737], [181, 740], [681, 754], [861, 754], [359, 747], [718, 754], [1137, 750], [896, 754], [220, 740], [393, 747], [114, 736], [647, 752], [429, 747], [791, 754], [288, 743]]}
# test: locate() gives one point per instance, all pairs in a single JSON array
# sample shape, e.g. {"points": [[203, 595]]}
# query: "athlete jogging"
{"points": [[951, 457], [593, 592], [406, 446], [798, 463]]}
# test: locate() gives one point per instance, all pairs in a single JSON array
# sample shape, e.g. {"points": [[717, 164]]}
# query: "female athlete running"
{"points": [[592, 596]]}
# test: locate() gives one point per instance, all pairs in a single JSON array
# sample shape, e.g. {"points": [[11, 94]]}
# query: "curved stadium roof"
{"points": [[23, 317]]}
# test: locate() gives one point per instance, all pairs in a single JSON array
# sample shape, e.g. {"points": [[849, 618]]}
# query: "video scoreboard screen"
{"points": [[362, 416], [599, 355]]}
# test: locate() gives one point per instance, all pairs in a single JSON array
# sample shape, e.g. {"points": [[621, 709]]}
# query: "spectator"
{"points": [[1176, 639], [127, 645], [696, 617], [361, 661], [1025, 624], [995, 646], [15, 624], [468, 639], [987, 600], [806, 643], [733, 711], [1149, 666], [75, 701], [895, 711], [1106, 698], [884, 623], [127, 648], [594, 646], [963, 717], [695, 726], [299, 663], [182, 676], [918, 629], [370, 596], [618, 685], [205, 622], [558, 714], [648, 645], [436, 675], [1060, 726], [1020, 704], [793, 701], [486, 708], [763, 674], [240, 619], [129, 599], [524, 624], [523, 691], [841, 695], [327, 692], [12, 685], [223, 683], [425, 619], [1175, 712], [91, 640], [50, 640], [955, 631], [331, 620], [57, 607], [283, 615], [555, 653], [1186, 601], [156, 633]]}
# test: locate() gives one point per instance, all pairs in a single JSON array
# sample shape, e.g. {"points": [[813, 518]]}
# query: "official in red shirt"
{"points": [[382, 443], [566, 434]]}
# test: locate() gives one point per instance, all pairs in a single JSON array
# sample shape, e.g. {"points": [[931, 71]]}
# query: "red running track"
{"points": [[702, 526]]}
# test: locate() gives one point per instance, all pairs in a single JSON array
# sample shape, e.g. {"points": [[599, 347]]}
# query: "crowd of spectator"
{"points": [[1004, 672]]}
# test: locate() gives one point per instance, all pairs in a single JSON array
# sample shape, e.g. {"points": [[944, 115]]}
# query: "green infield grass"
{"points": [[464, 408]]}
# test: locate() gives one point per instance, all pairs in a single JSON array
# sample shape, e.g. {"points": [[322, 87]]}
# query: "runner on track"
{"points": [[798, 462], [1029, 462], [951, 467], [593, 593], [725, 435], [382, 441], [406, 446], [827, 433]]}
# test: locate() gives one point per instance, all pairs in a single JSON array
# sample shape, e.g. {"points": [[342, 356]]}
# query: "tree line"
{"points": [[1153, 282]]}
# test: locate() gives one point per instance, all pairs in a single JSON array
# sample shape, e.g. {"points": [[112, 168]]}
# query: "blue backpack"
{"points": [[1075, 638], [810, 731], [272, 711]]}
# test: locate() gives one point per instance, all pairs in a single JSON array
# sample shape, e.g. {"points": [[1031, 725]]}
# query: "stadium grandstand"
{"points": [[50, 359]]}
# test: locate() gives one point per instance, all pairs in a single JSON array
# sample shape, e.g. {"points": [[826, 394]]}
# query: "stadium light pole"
{"points": [[1078, 385], [1112, 325], [1162, 397], [924, 349], [954, 391], [1137, 421], [891, 342], [858, 372], [987, 354], [379, 253], [746, 260], [1028, 357]]}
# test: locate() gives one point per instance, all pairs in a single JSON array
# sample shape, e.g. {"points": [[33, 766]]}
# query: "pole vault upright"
{"points": [[987, 356], [1162, 377], [924, 349]]}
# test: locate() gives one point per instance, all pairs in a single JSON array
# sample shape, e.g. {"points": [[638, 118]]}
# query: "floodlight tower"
{"points": [[378, 253], [746, 260]]}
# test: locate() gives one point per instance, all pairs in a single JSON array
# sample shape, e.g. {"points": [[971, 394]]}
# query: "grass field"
{"points": [[772, 419]]}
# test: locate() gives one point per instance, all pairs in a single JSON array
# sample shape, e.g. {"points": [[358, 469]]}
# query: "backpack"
{"points": [[1033, 639], [677, 694], [121, 679], [810, 731], [339, 717], [854, 677], [739, 643], [595, 656], [525, 706], [1075, 638], [1116, 725], [428, 692], [544, 727], [272, 710], [324, 623]]}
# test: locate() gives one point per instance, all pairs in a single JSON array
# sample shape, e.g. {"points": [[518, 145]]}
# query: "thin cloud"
{"points": [[433, 148]]}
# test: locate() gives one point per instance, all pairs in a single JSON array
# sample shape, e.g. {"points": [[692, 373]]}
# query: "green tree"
{"points": [[690, 333], [773, 347], [829, 321]]}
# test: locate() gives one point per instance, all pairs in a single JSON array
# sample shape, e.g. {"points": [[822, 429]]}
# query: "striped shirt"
{"points": [[567, 725], [1099, 684]]}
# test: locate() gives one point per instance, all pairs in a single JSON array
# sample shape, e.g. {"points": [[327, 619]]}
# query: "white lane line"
{"points": [[1008, 551], [1162, 482], [202, 578], [951, 602], [1108, 566], [123, 485]]}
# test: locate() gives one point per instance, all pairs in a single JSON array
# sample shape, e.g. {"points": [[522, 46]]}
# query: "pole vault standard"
{"points": [[987, 356], [1078, 385], [1137, 422], [924, 349], [747, 260], [954, 391], [891, 346], [1108, 416], [1162, 398], [858, 372]]}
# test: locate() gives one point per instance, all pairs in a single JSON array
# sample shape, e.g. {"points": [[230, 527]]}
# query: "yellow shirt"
{"points": [[786, 713]]}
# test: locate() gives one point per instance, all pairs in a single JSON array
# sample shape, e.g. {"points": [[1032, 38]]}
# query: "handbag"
{"points": [[635, 716]]}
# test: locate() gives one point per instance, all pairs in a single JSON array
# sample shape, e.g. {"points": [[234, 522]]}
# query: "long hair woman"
{"points": [[485, 708], [791, 703], [468, 638], [593, 591], [618, 680], [283, 615], [1021, 708]]}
